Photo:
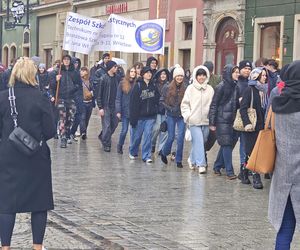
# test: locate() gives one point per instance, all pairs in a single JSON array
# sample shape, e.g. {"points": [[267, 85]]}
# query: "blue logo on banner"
{"points": [[149, 36]]}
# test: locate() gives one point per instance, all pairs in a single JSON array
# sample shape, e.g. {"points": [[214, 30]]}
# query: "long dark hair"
{"points": [[172, 92]]}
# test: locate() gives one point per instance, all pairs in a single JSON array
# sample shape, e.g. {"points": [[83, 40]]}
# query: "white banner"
{"points": [[85, 35], [81, 33]]}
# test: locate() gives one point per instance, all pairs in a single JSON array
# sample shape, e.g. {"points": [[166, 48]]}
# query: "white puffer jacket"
{"points": [[196, 101]]}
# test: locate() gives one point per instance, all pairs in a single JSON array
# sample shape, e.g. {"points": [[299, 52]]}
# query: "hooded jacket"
{"points": [[223, 108], [160, 86], [196, 101], [149, 60], [70, 82], [143, 102]]}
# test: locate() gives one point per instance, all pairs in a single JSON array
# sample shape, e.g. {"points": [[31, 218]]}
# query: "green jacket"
{"points": [[214, 80]]}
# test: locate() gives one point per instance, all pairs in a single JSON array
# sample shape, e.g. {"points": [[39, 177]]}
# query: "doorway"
{"points": [[226, 49]]}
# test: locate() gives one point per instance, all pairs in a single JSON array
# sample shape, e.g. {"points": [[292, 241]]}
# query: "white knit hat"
{"points": [[178, 71]]}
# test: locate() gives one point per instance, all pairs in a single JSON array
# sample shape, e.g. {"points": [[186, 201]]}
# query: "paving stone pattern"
{"points": [[106, 201]]}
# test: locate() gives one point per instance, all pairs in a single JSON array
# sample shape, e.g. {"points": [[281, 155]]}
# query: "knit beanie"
{"points": [[42, 65], [145, 70], [110, 64], [244, 64], [178, 71]]}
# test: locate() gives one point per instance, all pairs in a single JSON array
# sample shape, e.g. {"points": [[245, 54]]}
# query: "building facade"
{"points": [[184, 31], [44, 37], [224, 36], [17, 41], [272, 30]]}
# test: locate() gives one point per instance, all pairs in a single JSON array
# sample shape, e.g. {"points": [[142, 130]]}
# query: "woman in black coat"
{"points": [[221, 117], [259, 88], [26, 184]]}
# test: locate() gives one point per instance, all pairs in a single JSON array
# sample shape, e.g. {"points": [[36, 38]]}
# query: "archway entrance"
{"points": [[226, 49]]}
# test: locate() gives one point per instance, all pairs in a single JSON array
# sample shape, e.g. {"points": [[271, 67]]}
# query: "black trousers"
{"points": [[38, 226]]}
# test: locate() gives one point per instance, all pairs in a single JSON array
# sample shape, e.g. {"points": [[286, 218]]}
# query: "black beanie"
{"points": [[244, 64], [209, 65], [145, 70], [110, 64]]}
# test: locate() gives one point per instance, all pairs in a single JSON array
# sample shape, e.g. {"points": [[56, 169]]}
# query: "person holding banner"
{"points": [[107, 93], [65, 83], [143, 109]]}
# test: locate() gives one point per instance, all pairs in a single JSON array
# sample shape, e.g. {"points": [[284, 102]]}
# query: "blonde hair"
{"points": [[24, 71]]}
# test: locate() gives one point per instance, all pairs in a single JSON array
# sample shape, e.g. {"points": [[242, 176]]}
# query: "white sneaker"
{"points": [[69, 141], [131, 157], [149, 161], [191, 166], [202, 170], [73, 137]]}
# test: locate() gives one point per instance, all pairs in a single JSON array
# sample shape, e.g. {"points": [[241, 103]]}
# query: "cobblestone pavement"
{"points": [[106, 201]]}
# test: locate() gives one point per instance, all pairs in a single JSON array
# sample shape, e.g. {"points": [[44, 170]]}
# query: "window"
{"points": [[26, 37], [5, 56], [166, 56], [270, 41], [186, 59], [48, 56], [13, 52], [188, 30], [268, 38]]}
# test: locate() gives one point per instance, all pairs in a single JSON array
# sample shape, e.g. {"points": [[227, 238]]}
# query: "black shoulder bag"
{"points": [[21, 140]]}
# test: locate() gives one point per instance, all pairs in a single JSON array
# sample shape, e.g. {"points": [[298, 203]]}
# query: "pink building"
{"points": [[184, 30]]}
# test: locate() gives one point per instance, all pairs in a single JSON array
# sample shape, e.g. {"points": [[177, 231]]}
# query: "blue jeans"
{"points": [[224, 158], [287, 229], [124, 130], [242, 149], [162, 136], [144, 127], [87, 109], [172, 121], [199, 137]]}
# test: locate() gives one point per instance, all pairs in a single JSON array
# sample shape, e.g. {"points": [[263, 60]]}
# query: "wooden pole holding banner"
{"points": [[58, 82]]}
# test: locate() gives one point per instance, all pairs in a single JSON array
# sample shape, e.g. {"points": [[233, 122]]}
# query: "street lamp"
{"points": [[18, 10]]}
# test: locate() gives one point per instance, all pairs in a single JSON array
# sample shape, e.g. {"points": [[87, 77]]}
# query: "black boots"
{"points": [[119, 149], [257, 184], [244, 175], [164, 159]]}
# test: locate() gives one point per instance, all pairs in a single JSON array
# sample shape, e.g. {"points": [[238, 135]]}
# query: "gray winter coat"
{"points": [[286, 176]]}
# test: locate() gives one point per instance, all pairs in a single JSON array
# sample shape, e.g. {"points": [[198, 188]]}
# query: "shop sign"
{"points": [[116, 8]]}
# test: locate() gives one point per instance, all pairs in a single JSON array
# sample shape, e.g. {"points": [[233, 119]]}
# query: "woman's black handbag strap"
{"points": [[13, 107]]}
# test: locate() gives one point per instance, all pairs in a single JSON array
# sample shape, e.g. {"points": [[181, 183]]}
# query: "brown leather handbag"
{"points": [[262, 158]]}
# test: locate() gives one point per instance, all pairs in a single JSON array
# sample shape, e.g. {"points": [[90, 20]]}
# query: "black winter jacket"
{"points": [[101, 71], [44, 82], [123, 100], [174, 110], [144, 101], [26, 184], [107, 91], [70, 82], [5, 78], [245, 104], [243, 84], [223, 110]]}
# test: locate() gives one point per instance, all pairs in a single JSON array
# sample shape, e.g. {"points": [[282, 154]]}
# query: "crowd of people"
{"points": [[158, 107]]}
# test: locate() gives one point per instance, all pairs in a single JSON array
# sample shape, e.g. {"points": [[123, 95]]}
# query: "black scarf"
{"points": [[289, 100]]}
